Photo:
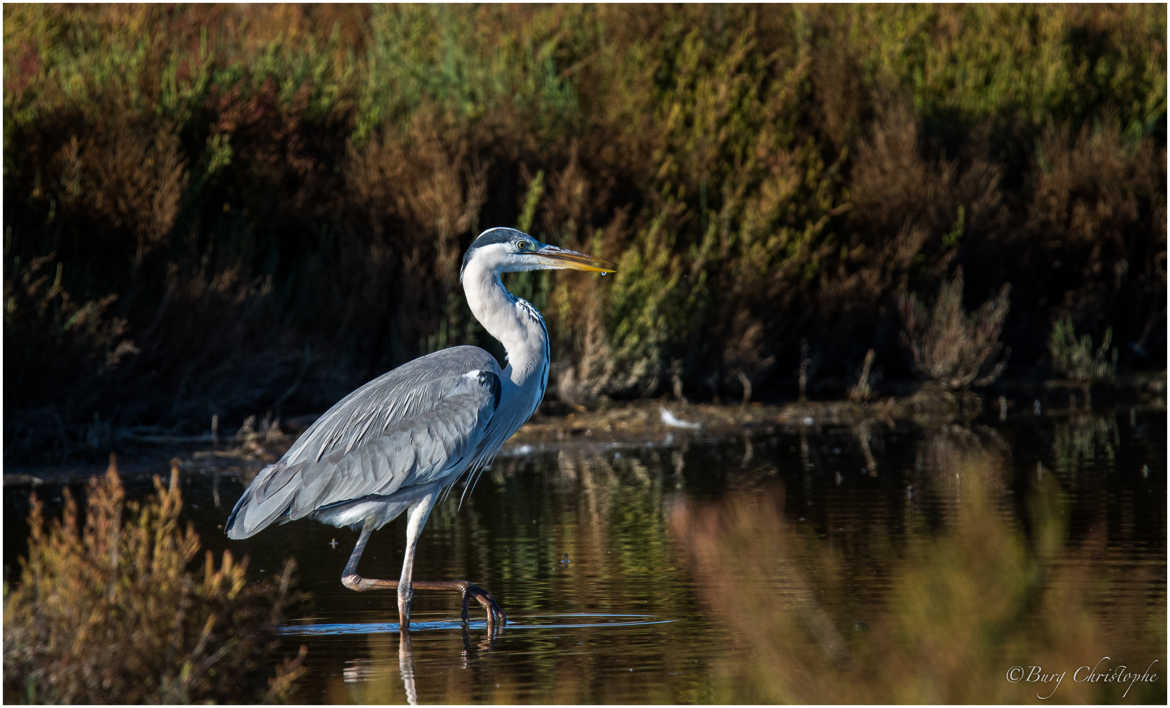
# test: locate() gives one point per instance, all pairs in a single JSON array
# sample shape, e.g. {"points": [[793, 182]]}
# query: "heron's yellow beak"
{"points": [[554, 257]]}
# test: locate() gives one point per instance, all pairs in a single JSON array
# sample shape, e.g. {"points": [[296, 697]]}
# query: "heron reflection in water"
{"points": [[402, 441]]}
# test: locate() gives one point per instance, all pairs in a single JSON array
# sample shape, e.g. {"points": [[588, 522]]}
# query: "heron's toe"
{"points": [[495, 616]]}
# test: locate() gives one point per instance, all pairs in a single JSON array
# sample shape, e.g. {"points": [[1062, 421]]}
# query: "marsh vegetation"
{"points": [[232, 211]]}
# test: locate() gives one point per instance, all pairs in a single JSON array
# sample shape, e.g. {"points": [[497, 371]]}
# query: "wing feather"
{"points": [[401, 393], [418, 425]]}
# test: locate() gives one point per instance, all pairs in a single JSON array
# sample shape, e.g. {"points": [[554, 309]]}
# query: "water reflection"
{"points": [[368, 672], [406, 666], [945, 613], [584, 619], [876, 563]]}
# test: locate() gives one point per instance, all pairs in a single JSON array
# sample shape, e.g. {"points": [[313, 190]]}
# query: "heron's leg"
{"points": [[416, 519], [350, 577]]}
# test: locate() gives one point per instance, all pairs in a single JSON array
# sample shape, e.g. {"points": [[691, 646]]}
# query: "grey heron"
{"points": [[401, 441]]}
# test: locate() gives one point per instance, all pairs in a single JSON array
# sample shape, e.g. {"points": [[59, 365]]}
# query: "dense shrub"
{"points": [[111, 608], [278, 195]]}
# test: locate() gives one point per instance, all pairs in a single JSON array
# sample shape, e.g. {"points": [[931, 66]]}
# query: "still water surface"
{"points": [[596, 554]]}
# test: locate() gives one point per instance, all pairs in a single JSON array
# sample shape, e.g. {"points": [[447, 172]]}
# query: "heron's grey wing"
{"points": [[398, 394], [416, 426]]}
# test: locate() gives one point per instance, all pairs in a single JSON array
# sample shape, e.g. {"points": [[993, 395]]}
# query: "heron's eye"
{"points": [[523, 245]]}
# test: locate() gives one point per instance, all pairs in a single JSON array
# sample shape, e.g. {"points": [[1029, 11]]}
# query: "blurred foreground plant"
{"points": [[956, 610], [110, 609]]}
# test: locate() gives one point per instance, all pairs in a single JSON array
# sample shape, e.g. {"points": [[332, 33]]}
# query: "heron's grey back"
{"points": [[407, 391], [417, 425]]}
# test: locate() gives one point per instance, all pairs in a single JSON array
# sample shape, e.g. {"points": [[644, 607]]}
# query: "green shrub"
{"points": [[1077, 358]]}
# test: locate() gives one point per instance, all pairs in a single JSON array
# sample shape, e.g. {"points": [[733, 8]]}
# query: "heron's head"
{"points": [[504, 250]]}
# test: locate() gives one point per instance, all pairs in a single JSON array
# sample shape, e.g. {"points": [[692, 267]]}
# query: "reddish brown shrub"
{"points": [[115, 609]]}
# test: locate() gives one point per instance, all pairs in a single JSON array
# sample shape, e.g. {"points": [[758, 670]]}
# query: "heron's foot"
{"points": [[495, 616]]}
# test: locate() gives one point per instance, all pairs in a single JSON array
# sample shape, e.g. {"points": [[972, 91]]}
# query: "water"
{"points": [[692, 570]]}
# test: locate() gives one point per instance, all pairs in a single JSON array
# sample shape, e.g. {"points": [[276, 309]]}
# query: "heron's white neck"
{"points": [[514, 322]]}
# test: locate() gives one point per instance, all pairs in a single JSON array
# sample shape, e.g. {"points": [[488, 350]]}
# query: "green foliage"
{"points": [[1077, 358], [1072, 63], [113, 608], [763, 173], [531, 200], [459, 61]]}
